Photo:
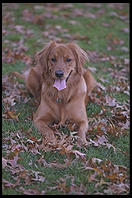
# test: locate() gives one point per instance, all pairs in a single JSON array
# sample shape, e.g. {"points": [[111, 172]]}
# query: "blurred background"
{"points": [[98, 27]]}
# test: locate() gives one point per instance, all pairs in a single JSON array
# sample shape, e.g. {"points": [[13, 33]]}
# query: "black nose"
{"points": [[59, 73]]}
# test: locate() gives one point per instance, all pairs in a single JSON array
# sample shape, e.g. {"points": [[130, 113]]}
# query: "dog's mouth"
{"points": [[60, 84]]}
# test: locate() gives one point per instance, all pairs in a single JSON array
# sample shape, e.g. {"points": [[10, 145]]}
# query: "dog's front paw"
{"points": [[82, 141]]}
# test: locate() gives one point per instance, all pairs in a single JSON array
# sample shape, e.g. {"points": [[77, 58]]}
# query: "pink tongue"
{"points": [[60, 84]]}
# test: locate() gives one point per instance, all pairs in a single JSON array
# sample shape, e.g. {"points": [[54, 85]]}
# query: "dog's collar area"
{"points": [[69, 75]]}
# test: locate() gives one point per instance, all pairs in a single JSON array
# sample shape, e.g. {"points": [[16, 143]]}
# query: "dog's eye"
{"points": [[53, 59], [68, 60]]}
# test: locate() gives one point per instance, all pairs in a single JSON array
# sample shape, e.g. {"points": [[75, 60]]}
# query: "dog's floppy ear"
{"points": [[42, 57], [80, 55]]}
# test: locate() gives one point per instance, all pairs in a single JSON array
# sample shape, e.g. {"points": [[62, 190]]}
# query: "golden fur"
{"points": [[68, 103]]}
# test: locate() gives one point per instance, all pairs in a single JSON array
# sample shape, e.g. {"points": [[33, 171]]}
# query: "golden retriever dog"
{"points": [[62, 86]]}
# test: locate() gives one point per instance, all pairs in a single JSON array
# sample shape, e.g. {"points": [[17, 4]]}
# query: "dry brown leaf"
{"points": [[4, 162]]}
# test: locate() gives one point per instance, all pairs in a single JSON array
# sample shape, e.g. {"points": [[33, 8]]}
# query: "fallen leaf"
{"points": [[4, 162], [110, 101], [38, 177], [102, 182], [126, 30], [78, 153], [29, 191], [12, 115], [126, 61], [13, 162], [101, 86], [62, 186], [73, 22], [124, 49]]}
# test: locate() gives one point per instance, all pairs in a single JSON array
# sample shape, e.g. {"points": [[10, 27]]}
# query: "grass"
{"points": [[7, 68], [98, 39]]}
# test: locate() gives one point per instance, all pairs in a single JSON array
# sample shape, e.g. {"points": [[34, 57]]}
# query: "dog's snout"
{"points": [[59, 73]]}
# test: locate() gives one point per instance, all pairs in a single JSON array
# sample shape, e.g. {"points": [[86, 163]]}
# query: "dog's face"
{"points": [[60, 62]]}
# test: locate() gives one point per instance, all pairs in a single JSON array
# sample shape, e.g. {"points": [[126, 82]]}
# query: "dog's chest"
{"points": [[59, 97]]}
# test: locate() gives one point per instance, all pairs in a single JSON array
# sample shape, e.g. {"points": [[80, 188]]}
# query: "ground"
{"points": [[101, 167]]}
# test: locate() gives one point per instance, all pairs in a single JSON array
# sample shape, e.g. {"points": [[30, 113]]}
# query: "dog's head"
{"points": [[60, 61]]}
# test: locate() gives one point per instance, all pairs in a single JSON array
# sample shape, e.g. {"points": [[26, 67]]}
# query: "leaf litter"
{"points": [[113, 179]]}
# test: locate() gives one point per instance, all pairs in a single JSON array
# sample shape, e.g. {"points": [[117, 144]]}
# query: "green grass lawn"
{"points": [[102, 30]]}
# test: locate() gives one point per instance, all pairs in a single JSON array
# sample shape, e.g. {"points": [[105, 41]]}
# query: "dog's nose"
{"points": [[59, 73]]}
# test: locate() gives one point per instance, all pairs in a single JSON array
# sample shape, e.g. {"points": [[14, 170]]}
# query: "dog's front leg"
{"points": [[83, 128], [79, 115], [47, 133]]}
